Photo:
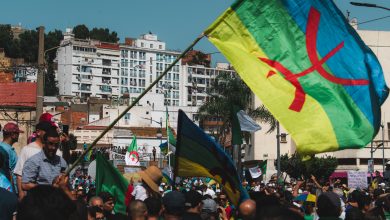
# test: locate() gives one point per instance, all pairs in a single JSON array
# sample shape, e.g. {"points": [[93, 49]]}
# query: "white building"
{"points": [[142, 61], [87, 68], [25, 74]]}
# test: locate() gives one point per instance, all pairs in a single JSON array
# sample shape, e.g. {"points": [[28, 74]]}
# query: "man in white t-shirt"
{"points": [[29, 151]]}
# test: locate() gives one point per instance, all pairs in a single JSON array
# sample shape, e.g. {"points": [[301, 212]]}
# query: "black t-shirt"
{"points": [[191, 216], [8, 204]]}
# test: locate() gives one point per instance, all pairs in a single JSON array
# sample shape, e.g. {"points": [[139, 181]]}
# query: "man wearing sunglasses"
{"points": [[45, 166]]}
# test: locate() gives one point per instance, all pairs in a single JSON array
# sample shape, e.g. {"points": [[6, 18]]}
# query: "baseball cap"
{"points": [[209, 205], [193, 198], [12, 127], [48, 118], [174, 200]]}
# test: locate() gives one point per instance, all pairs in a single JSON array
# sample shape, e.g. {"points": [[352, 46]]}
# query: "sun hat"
{"points": [[152, 176], [12, 127]]}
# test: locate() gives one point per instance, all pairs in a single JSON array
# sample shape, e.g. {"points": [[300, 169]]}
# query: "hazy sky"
{"points": [[177, 22]]}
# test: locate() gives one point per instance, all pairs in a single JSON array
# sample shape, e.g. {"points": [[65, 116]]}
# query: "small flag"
{"points": [[132, 156], [258, 170], [308, 66], [241, 122], [198, 155], [109, 179]]}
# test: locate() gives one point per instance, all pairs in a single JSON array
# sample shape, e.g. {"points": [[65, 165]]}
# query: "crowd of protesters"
{"points": [[33, 186]]}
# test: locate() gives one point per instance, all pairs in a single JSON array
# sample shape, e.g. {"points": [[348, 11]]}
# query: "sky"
{"points": [[176, 22]]}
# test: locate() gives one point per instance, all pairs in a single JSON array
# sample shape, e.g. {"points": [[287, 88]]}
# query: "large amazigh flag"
{"points": [[308, 66], [109, 179], [198, 155]]}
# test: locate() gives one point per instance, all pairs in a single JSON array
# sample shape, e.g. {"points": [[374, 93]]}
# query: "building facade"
{"points": [[87, 68], [143, 60]]}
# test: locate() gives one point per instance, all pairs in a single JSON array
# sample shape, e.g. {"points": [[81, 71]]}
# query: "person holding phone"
{"points": [[45, 166]]}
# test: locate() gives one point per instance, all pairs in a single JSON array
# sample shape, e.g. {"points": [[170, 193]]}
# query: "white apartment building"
{"points": [[87, 68], [25, 74], [142, 61]]}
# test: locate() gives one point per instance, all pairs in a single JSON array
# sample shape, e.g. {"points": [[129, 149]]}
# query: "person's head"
{"points": [[51, 143], [222, 199], [11, 133], [328, 205], [153, 206], [193, 201], [209, 209], [46, 202], [96, 201], [95, 213], [248, 209], [41, 128], [174, 203], [137, 210], [108, 201]]}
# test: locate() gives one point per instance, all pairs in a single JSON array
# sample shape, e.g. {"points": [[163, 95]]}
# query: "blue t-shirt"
{"points": [[5, 183]]}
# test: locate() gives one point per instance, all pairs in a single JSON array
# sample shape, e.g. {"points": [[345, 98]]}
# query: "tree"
{"points": [[52, 40], [227, 90], [7, 41], [29, 46], [81, 31], [296, 167], [103, 34]]}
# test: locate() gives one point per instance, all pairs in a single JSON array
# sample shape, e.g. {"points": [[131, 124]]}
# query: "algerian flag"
{"points": [[109, 179], [241, 122], [255, 172], [258, 170], [132, 157]]}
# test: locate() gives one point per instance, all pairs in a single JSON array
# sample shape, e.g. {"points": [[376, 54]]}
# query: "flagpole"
{"points": [[70, 168], [278, 151]]}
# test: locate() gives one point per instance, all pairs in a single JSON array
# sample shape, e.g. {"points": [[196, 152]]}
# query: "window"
{"points": [[151, 45], [106, 62], [127, 116], [142, 45], [160, 47]]}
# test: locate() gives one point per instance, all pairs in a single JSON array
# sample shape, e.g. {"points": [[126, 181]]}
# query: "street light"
{"points": [[362, 4]]}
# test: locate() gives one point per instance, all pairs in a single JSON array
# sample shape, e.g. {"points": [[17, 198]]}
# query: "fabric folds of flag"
{"points": [[308, 66], [109, 179], [198, 155], [241, 122], [132, 156]]}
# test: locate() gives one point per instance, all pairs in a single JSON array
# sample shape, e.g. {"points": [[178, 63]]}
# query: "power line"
{"points": [[376, 19]]}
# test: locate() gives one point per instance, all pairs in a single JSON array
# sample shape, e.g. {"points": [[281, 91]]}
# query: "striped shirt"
{"points": [[40, 170]]}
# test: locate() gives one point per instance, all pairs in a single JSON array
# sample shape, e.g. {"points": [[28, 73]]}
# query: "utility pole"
{"points": [[278, 150], [40, 76]]}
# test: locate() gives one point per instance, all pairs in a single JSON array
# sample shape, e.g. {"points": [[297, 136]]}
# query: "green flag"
{"points": [[109, 179]]}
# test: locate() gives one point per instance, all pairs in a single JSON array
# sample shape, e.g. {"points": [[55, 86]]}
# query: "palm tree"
{"points": [[226, 90]]}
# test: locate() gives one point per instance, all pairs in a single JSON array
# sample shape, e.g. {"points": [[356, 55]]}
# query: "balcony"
{"points": [[106, 89]]}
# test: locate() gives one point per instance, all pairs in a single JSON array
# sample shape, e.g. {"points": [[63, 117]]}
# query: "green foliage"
{"points": [[295, 167], [6, 38], [81, 31], [103, 34], [28, 41]]}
